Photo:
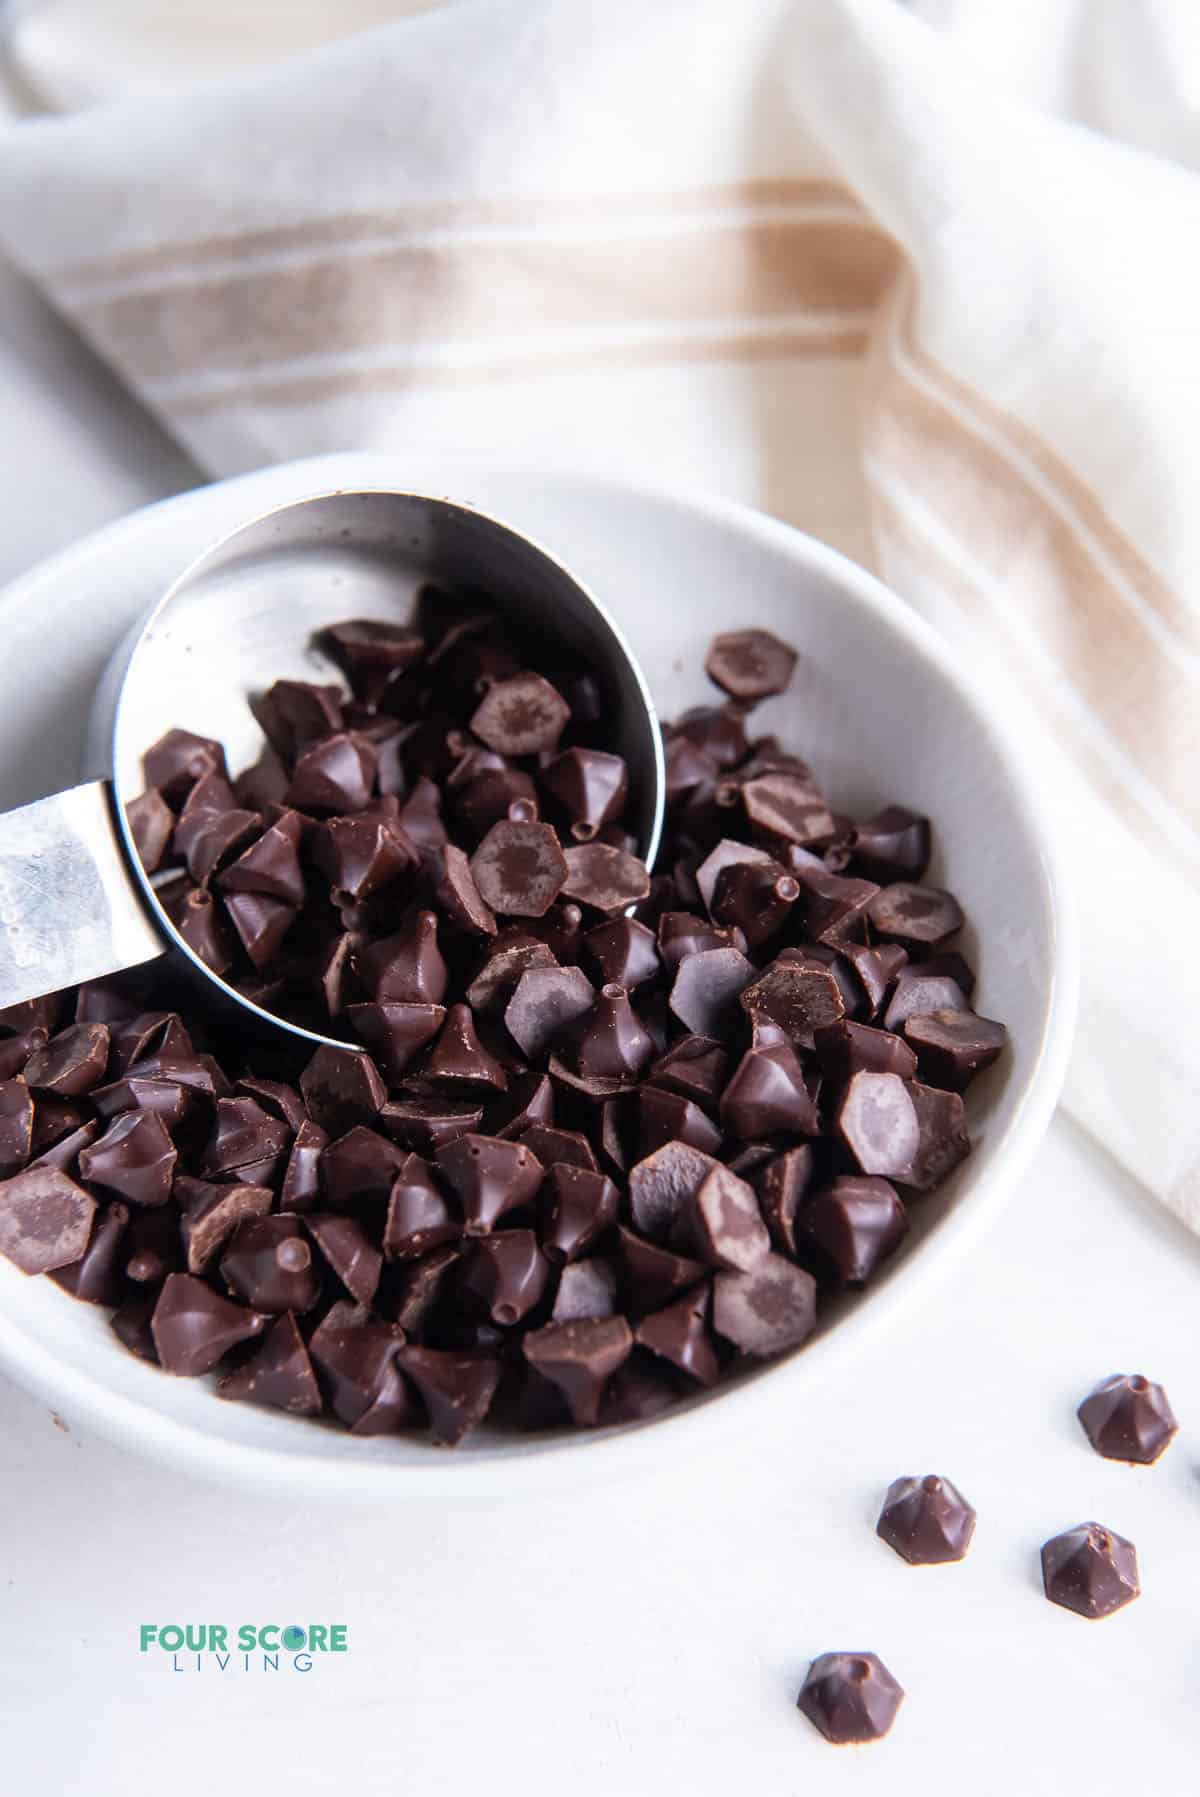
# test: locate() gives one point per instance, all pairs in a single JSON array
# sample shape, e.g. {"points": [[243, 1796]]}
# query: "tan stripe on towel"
{"points": [[1055, 586], [525, 214], [469, 292]]}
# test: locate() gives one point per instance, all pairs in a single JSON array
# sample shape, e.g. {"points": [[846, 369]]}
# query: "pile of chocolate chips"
{"points": [[612, 1135]]}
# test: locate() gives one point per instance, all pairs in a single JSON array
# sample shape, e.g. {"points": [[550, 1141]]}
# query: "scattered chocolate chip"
{"points": [[919, 993], [624, 952], [555, 1147], [337, 774], [1091, 1570], [666, 1116], [423, 1125], [177, 760], [16, 1126], [878, 1123], [781, 1183], [942, 1139], [850, 1697], [1128, 1417], [302, 1177], [894, 844], [926, 1520]]}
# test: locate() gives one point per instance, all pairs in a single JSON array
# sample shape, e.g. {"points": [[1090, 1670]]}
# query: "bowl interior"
{"points": [[877, 708]]}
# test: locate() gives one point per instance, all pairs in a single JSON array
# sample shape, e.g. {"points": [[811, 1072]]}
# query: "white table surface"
{"points": [[642, 1637]]}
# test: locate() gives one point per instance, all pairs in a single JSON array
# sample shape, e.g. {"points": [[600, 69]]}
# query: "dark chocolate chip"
{"points": [[458, 1063], [419, 1287], [1091, 1570], [279, 1375], [800, 996], [856, 1223], [359, 1168], [211, 1213], [243, 1135], [787, 808], [660, 1186], [588, 787], [919, 993], [758, 898], [610, 1041], [580, 1358], [424, 1125], [395, 1033], [915, 915], [545, 1001], [768, 1096], [504, 1273], [750, 665], [771, 1307], [577, 1208], [942, 1139], [953, 1046], [134, 1158], [665, 1116], [926, 1520], [348, 1249], [16, 1126], [719, 730], [706, 990], [850, 1697], [606, 878], [1128, 1417], [336, 775], [529, 1101], [720, 1223], [295, 713], [586, 1289], [204, 927], [524, 715], [491, 1178], [457, 1389], [98, 1276], [781, 1184], [845, 1048], [878, 1123], [268, 1263], [624, 952], [151, 824], [459, 897], [519, 868], [680, 1334], [302, 1178], [419, 1217], [177, 760], [342, 1088], [371, 653], [72, 1062], [45, 1220], [654, 1275], [194, 1327], [355, 1363], [695, 1067], [261, 924], [894, 844]]}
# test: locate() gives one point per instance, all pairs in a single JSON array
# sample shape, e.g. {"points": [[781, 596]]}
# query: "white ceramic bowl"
{"points": [[880, 705]]}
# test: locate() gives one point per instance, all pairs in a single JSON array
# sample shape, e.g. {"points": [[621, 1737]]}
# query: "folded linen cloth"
{"points": [[925, 285]]}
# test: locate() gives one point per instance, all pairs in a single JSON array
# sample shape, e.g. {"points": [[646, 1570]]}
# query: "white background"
{"points": [[639, 1636]]}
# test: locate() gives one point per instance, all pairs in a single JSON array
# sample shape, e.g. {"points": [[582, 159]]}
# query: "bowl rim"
{"points": [[557, 1461]]}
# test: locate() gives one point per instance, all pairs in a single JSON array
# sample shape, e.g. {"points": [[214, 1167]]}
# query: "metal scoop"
{"points": [[75, 901]]}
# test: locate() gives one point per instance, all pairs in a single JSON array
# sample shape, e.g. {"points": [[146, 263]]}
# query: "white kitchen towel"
{"points": [[923, 280]]}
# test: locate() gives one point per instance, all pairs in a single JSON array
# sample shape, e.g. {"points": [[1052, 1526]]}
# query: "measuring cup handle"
{"points": [[69, 910]]}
